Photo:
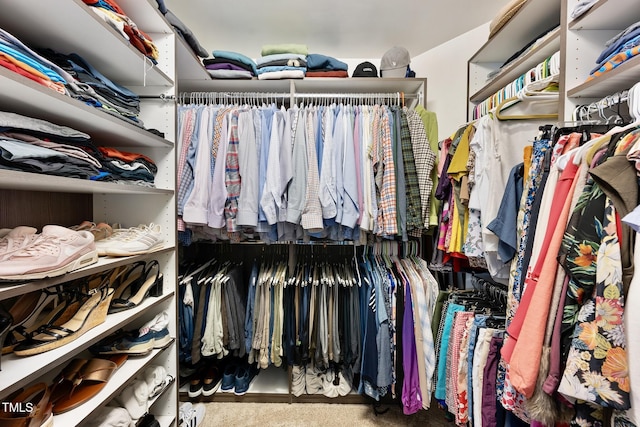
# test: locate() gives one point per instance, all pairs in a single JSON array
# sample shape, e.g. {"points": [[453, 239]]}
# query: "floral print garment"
{"points": [[597, 369]]}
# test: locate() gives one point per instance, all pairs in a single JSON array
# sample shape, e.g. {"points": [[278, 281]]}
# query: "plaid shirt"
{"points": [[185, 173], [414, 202], [232, 176], [387, 218], [312, 212], [424, 160]]}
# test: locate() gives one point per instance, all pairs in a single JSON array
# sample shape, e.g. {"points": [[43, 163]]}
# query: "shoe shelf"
{"points": [[270, 385], [18, 371], [33, 100], [14, 289], [129, 369], [73, 27]]}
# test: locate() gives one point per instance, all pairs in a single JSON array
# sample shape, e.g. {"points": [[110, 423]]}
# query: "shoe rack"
{"points": [[37, 200]]}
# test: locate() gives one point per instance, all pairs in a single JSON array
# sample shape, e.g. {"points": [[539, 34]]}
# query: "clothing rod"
{"points": [[356, 95], [162, 97]]}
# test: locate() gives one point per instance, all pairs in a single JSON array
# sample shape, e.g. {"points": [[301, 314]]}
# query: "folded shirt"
{"points": [[279, 56], [615, 45], [263, 70], [224, 66], [628, 45], [284, 74], [615, 61], [270, 49], [230, 74], [211, 61], [237, 57], [316, 61]]}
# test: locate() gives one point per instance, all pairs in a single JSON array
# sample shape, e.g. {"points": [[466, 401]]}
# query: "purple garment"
{"points": [[555, 358], [489, 396], [411, 397], [223, 66]]}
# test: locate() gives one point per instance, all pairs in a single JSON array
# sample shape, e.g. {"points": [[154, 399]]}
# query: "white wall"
{"points": [[445, 68]]}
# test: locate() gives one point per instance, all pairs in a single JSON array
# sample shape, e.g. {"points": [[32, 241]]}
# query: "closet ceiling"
{"points": [[338, 28]]}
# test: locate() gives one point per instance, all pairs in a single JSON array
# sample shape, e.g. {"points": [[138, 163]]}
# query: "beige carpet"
{"points": [[314, 415]]}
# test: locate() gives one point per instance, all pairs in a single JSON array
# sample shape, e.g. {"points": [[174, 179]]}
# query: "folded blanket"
{"points": [[504, 15], [270, 49]]}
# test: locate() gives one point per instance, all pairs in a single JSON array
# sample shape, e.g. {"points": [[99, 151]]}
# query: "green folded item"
{"points": [[273, 49]]}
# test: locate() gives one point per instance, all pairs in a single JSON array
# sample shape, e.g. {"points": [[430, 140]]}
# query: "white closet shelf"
{"points": [[155, 399], [130, 369], [533, 17], [270, 381], [358, 85], [18, 372], [16, 180], [71, 27], [232, 85], [23, 96], [14, 289], [621, 78], [519, 66], [607, 15]]}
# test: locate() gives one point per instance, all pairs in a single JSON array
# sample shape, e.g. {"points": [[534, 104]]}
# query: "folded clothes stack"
{"points": [[325, 66], [619, 49], [111, 12], [226, 64], [282, 61], [33, 145]]}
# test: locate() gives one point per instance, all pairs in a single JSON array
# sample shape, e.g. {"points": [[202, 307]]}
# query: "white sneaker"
{"points": [[191, 415], [138, 240], [16, 239], [58, 250]]}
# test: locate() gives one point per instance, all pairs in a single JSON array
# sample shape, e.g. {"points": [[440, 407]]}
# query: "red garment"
{"points": [[125, 156], [58, 87], [333, 73]]}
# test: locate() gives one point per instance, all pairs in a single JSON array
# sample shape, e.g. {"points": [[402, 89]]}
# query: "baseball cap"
{"points": [[365, 69], [394, 62]]}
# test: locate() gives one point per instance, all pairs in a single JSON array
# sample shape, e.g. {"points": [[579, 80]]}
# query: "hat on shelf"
{"points": [[365, 69], [394, 62]]}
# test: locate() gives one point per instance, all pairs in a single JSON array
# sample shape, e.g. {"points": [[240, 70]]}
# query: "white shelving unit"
{"points": [[586, 38], [534, 17], [72, 27]]}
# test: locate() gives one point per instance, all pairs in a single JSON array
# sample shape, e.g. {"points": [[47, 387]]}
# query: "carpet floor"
{"points": [[315, 415]]}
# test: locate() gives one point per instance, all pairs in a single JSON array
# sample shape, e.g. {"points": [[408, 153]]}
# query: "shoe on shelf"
{"points": [[195, 386], [133, 241], [56, 251], [81, 379], [157, 379], [152, 335], [29, 312], [36, 400], [100, 231], [16, 239], [89, 313], [129, 280], [229, 378], [138, 290], [245, 376], [135, 399], [211, 380]]}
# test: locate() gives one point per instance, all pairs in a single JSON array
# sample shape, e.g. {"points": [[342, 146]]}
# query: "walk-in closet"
{"points": [[290, 214]]}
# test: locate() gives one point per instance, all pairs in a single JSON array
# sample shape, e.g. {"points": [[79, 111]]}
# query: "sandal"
{"points": [[91, 312], [151, 286], [129, 281], [36, 400], [81, 380]]}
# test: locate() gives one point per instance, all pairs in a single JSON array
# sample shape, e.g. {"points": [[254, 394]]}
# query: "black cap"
{"points": [[365, 69]]}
